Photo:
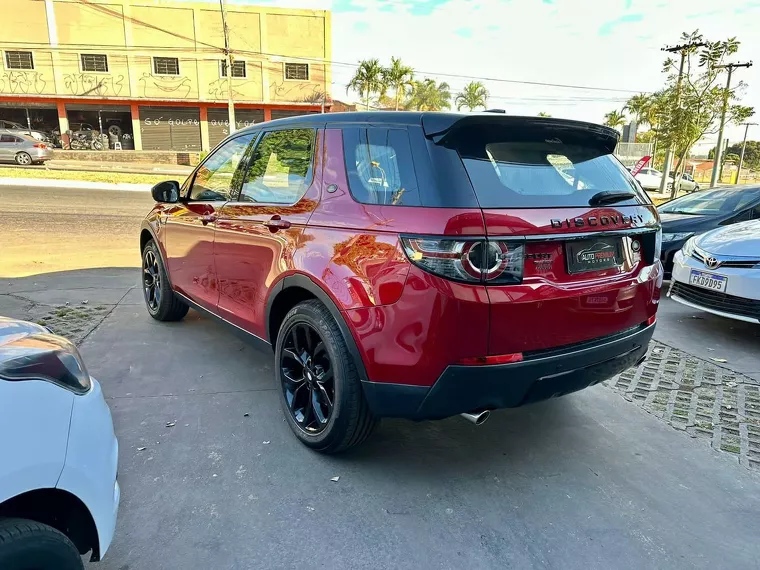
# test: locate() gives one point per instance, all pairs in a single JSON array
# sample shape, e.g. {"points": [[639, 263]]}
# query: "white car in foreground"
{"points": [[719, 272], [58, 454]]}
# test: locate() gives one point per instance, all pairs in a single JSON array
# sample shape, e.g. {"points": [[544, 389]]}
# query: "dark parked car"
{"points": [[702, 211], [415, 265]]}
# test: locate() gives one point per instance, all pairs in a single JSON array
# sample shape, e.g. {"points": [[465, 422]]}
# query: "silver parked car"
{"points": [[23, 149], [719, 272], [18, 128]]}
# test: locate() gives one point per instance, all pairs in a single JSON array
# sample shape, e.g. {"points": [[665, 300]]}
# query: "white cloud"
{"points": [[556, 42]]}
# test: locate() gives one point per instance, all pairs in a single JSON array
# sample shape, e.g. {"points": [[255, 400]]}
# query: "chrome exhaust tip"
{"points": [[478, 418]]}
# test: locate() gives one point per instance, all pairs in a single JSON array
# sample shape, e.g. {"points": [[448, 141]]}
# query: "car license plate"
{"points": [[593, 254], [708, 280]]}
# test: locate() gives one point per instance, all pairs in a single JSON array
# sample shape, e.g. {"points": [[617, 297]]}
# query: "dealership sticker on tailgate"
{"points": [[593, 254], [708, 280]]}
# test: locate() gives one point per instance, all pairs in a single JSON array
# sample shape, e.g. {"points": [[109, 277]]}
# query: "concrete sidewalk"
{"points": [[179, 171], [587, 481]]}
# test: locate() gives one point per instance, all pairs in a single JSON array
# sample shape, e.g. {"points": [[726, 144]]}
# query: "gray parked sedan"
{"points": [[22, 149]]}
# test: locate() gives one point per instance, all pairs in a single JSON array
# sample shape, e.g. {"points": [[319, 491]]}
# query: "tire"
{"points": [[162, 303], [26, 544], [115, 130], [23, 158], [350, 420]]}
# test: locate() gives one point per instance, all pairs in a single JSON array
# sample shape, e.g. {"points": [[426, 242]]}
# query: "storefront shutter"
{"points": [[218, 122], [167, 128]]}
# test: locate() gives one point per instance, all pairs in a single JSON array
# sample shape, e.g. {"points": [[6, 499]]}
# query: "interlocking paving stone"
{"points": [[699, 397]]}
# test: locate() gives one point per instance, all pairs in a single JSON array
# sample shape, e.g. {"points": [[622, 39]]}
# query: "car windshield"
{"points": [[712, 202]]}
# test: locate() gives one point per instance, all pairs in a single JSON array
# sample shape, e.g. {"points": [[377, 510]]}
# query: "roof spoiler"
{"points": [[437, 125]]}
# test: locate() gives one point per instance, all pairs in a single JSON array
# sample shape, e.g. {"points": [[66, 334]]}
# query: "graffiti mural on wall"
{"points": [[289, 91], [19, 82], [90, 84], [218, 89], [175, 87]]}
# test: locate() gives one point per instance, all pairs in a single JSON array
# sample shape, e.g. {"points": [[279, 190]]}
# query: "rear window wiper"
{"points": [[609, 197]]}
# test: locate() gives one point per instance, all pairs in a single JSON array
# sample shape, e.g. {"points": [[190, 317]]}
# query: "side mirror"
{"points": [[166, 192]]}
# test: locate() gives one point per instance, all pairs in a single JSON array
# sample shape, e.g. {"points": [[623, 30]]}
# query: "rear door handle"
{"points": [[208, 218], [277, 224]]}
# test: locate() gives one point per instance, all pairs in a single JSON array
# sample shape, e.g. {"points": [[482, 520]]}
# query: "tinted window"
{"points": [[281, 167], [712, 202], [379, 166], [540, 167], [214, 179], [9, 139]]}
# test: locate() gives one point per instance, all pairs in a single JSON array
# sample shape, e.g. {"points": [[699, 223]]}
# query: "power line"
{"points": [[218, 49]]}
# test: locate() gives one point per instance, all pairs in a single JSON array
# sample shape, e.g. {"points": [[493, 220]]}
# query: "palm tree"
{"points": [[427, 95], [614, 119], [544, 114], [367, 80], [473, 95], [398, 76], [639, 106]]}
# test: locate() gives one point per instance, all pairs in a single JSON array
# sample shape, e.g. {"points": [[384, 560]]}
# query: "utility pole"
{"points": [[717, 165], [228, 62], [744, 145], [683, 49]]}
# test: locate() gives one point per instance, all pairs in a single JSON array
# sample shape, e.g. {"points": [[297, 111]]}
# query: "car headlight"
{"points": [[676, 236], [688, 247], [44, 357]]}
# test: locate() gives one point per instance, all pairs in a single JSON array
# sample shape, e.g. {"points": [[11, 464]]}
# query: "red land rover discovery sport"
{"points": [[414, 265]]}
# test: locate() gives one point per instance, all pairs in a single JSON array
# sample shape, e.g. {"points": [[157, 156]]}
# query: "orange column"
{"points": [[267, 114], [205, 142], [136, 134], [63, 119]]}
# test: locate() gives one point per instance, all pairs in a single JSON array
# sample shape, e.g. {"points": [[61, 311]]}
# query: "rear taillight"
{"points": [[39, 145], [471, 260]]}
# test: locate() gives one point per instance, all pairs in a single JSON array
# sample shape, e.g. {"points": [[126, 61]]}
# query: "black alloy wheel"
{"points": [[151, 280], [308, 379]]}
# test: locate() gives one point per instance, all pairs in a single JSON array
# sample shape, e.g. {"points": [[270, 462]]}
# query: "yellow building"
{"points": [[153, 73]]}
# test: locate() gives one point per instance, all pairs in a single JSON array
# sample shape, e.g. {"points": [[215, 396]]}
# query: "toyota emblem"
{"points": [[712, 263]]}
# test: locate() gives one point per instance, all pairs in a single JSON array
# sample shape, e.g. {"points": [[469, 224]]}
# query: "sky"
{"points": [[604, 44]]}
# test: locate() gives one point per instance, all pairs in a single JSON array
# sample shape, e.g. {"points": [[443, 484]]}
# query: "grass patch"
{"points": [[81, 176]]}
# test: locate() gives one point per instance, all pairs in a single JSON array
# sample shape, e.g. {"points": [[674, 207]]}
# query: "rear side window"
{"points": [[380, 167], [539, 167]]}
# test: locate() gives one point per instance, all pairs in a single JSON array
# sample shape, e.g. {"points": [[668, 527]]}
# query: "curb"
{"points": [[75, 184]]}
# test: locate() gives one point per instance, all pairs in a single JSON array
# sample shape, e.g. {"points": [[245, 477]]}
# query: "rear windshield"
{"points": [[539, 167], [712, 202]]}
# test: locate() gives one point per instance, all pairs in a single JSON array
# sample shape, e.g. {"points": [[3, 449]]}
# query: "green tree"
{"points": [[751, 153], [639, 107], [399, 77], [543, 114], [473, 95], [692, 109], [614, 119], [367, 80], [427, 95]]}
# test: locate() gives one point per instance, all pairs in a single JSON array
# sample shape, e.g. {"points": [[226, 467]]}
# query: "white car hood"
{"points": [[739, 240]]}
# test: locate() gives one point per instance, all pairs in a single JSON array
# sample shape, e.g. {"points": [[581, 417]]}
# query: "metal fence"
{"points": [[630, 153]]}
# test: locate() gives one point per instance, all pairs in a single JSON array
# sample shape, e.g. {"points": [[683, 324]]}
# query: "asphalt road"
{"points": [[46, 230]]}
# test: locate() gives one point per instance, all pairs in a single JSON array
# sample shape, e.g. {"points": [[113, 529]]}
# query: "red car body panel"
{"points": [[408, 325]]}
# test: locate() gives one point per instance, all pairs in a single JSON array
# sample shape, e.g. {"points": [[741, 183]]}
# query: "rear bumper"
{"points": [[554, 373], [42, 154]]}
